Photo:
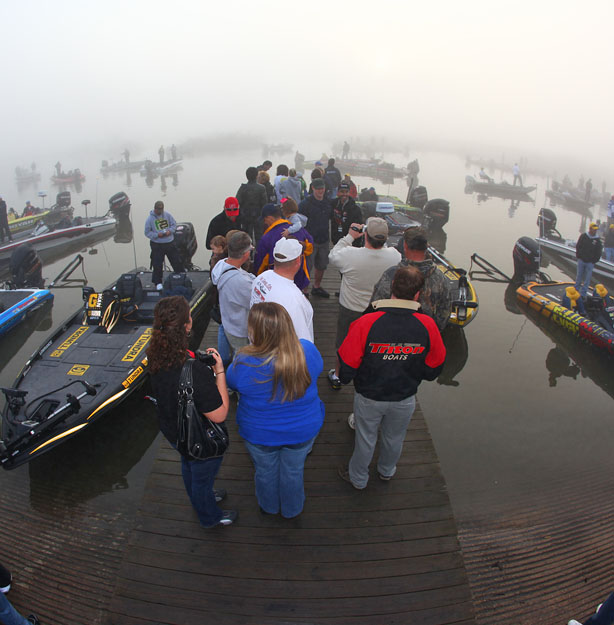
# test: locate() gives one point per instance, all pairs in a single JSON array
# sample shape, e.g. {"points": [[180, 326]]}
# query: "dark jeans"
{"points": [[605, 615], [199, 477], [9, 615], [158, 252], [253, 227], [4, 228]]}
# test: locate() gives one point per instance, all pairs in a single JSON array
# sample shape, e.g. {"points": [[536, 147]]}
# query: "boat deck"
{"points": [[388, 554]]}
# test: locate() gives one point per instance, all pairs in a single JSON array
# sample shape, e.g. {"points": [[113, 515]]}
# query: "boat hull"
{"points": [[17, 304], [546, 299]]}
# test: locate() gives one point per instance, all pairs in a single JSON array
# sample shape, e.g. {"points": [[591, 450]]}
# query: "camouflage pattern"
{"points": [[435, 296]]}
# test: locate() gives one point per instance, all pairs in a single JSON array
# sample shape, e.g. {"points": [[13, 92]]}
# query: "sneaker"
{"points": [[344, 474], [220, 494], [319, 291], [352, 421], [33, 619], [228, 517], [574, 622], [335, 382], [158, 287], [384, 478]]}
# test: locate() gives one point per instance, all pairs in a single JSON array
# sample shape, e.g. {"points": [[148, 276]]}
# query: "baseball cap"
{"points": [[268, 210], [318, 183], [415, 238], [287, 249], [377, 228], [593, 226], [344, 185], [231, 205]]}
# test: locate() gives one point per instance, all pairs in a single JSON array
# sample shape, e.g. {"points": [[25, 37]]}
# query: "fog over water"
{"points": [[525, 77]]}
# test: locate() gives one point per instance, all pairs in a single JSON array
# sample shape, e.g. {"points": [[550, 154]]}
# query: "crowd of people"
{"points": [[271, 245]]}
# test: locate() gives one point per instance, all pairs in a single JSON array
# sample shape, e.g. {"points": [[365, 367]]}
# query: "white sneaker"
{"points": [[352, 421], [158, 287], [574, 622]]}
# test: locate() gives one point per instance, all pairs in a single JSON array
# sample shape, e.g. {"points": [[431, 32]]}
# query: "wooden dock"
{"points": [[386, 555]]}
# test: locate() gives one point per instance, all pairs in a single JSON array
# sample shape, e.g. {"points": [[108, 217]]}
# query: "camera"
{"points": [[205, 358], [357, 228]]}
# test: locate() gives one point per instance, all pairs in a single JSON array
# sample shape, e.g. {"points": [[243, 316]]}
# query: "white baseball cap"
{"points": [[287, 249]]}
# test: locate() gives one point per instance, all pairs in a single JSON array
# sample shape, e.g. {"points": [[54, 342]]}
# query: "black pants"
{"points": [[4, 228], [158, 252]]}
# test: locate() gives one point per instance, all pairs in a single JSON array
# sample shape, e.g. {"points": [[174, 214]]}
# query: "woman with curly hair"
{"points": [[166, 354], [279, 412]]}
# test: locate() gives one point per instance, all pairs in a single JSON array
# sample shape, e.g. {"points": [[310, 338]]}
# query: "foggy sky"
{"points": [[529, 75]]}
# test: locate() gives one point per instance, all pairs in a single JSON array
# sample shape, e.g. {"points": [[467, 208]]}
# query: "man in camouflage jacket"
{"points": [[435, 296]]}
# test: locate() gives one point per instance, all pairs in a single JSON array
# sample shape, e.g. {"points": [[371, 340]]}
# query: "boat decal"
{"points": [[62, 435], [107, 402], [69, 341], [138, 346], [132, 377], [78, 369]]}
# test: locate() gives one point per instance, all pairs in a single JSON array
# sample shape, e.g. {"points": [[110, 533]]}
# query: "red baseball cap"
{"points": [[231, 204]]}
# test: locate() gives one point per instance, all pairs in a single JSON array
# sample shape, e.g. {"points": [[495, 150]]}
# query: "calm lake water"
{"points": [[519, 427]]}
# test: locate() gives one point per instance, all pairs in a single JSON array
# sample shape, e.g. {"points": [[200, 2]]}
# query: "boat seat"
{"points": [[130, 291]]}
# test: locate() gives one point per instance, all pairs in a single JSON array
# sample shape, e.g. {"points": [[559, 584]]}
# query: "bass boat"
{"points": [[97, 356], [499, 189]]}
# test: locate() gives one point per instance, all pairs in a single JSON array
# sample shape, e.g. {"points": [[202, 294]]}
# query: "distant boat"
{"points": [[121, 167], [69, 178], [500, 189], [161, 169], [22, 224]]}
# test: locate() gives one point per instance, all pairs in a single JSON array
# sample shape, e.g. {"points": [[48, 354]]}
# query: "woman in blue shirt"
{"points": [[279, 413]]}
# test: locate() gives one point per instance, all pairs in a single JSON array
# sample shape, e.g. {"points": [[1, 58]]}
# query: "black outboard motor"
{"points": [[26, 268], [62, 199], [119, 204], [418, 197], [436, 213], [186, 243], [526, 256], [546, 221]]}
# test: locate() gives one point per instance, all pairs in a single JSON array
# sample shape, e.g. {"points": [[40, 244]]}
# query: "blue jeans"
{"points": [[605, 615], [223, 347], [9, 615], [583, 277], [389, 418], [198, 477], [279, 476], [609, 254]]}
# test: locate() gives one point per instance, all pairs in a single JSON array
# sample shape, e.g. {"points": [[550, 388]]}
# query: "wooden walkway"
{"points": [[386, 555]]}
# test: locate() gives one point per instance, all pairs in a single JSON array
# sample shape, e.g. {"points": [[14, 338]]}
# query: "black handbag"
{"points": [[198, 438]]}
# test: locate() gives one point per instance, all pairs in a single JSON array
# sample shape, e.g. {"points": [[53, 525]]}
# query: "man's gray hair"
{"points": [[238, 244]]}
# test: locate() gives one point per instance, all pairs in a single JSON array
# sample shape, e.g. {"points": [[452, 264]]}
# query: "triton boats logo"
{"points": [[396, 351]]}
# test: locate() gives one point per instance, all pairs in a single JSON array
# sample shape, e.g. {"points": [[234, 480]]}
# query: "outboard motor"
{"points": [[436, 213], [26, 268], [546, 221], [418, 197], [186, 243], [62, 199], [526, 256], [119, 204]]}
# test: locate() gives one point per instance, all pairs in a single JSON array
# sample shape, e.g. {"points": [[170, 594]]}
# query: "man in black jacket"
{"points": [[4, 221], [227, 220], [332, 176], [252, 197], [316, 207], [388, 353], [588, 252], [345, 212]]}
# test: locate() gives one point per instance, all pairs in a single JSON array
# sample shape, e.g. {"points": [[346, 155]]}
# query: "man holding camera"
{"points": [[361, 268]]}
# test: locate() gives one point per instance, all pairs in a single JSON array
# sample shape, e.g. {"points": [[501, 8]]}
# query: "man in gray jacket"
{"points": [[234, 287], [160, 230]]}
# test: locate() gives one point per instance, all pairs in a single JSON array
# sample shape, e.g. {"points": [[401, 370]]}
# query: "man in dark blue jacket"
{"points": [[388, 353], [317, 208]]}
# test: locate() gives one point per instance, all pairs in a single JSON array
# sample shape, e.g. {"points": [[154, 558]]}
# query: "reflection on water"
{"points": [[457, 354]]}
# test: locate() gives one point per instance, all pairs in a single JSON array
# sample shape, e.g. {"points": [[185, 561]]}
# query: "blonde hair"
{"points": [[263, 177], [273, 338]]}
